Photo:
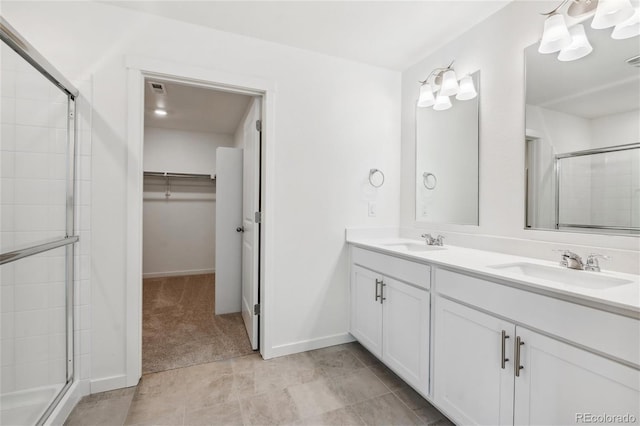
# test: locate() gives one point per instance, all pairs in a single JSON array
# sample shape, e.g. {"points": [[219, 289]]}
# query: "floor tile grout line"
{"points": [[130, 404], [242, 415], [407, 405]]}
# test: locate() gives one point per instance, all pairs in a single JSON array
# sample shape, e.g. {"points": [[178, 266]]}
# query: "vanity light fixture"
{"points": [[573, 43], [442, 102], [426, 98], [556, 35], [629, 28], [445, 82], [449, 84], [467, 90], [579, 47], [610, 13], [160, 112]]}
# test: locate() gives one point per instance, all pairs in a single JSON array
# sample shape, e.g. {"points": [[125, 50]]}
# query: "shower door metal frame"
{"points": [[22, 47], [558, 174]]}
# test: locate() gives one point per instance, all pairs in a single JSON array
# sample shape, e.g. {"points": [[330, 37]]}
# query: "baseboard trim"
{"points": [[310, 344], [178, 273], [108, 383]]}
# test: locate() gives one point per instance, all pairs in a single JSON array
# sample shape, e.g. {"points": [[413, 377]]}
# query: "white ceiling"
{"points": [[599, 84], [194, 108], [390, 34]]}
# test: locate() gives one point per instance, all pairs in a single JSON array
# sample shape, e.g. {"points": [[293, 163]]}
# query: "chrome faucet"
{"points": [[571, 260], [592, 262], [438, 241]]}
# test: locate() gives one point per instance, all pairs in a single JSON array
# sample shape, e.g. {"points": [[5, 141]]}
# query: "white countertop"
{"points": [[624, 297]]}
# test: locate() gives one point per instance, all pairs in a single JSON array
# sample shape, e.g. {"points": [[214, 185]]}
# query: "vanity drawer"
{"points": [[615, 335], [404, 270]]}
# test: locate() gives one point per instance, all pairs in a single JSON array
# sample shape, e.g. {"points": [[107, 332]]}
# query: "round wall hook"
{"points": [[376, 178]]}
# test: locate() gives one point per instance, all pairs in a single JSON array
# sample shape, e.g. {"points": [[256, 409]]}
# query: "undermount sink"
{"points": [[584, 279], [414, 246]]}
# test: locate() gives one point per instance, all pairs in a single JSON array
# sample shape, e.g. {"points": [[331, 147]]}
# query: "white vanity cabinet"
{"points": [[366, 310], [470, 380], [390, 313], [490, 370]]}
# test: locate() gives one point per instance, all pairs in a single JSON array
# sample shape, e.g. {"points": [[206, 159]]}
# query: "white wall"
{"points": [[566, 132], [496, 47], [179, 230], [334, 120], [169, 150], [617, 129]]}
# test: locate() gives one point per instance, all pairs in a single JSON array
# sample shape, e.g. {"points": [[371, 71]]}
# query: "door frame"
{"points": [[138, 69]]}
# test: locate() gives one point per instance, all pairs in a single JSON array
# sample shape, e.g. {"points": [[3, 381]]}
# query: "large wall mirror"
{"points": [[447, 162], [582, 138]]}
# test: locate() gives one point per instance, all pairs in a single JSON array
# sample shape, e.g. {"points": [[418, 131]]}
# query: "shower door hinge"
{"points": [[259, 125], [256, 309], [258, 217]]}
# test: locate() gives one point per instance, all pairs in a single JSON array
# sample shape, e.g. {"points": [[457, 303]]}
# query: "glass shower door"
{"points": [[37, 157]]}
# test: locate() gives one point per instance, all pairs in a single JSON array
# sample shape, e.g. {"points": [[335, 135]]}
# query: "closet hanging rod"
{"points": [[179, 175]]}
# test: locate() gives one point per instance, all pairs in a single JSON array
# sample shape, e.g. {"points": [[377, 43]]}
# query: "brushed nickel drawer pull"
{"points": [[517, 366], [382, 298], [378, 282], [504, 343]]}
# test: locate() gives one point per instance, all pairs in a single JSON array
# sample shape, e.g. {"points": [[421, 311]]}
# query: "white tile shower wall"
{"points": [[32, 209], [615, 188]]}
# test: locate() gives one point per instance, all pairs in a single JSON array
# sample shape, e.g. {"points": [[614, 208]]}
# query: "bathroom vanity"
{"points": [[490, 338]]}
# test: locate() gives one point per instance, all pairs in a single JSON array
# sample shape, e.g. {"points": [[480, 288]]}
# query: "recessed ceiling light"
{"points": [[160, 112]]}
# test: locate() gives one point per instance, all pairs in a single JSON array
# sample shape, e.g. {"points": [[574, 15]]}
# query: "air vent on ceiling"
{"points": [[634, 62], [157, 88]]}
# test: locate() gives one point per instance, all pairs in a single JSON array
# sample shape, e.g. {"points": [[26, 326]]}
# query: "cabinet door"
{"points": [[405, 332], [470, 383], [561, 384], [366, 309]]}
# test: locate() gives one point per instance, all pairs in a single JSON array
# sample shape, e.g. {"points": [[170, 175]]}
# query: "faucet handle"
{"points": [[570, 259], [429, 239], [565, 256], [592, 262], [439, 240]]}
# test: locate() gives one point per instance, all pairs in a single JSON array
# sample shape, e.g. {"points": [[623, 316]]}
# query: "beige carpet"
{"points": [[179, 327]]}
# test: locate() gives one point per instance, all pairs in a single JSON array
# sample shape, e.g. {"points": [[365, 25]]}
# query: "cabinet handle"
{"points": [[382, 298], [378, 282], [517, 366], [504, 343]]}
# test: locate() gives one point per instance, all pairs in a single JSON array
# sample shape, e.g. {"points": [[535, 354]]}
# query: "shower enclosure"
{"points": [[37, 153]]}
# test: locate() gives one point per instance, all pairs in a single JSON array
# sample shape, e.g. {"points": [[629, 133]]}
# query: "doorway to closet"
{"points": [[200, 229]]}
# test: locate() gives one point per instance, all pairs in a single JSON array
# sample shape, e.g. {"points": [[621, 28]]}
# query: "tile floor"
{"points": [[179, 327], [340, 385]]}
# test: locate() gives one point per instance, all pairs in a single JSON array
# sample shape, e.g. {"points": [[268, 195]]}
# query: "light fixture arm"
{"points": [[574, 9], [437, 72], [557, 8]]}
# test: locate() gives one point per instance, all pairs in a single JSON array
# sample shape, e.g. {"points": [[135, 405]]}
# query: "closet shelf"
{"points": [[171, 175]]}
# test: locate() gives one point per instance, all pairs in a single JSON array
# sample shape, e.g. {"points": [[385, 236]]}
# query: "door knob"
{"points": [[240, 229]]}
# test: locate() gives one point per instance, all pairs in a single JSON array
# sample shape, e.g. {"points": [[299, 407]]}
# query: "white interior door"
{"points": [[228, 230], [251, 235]]}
